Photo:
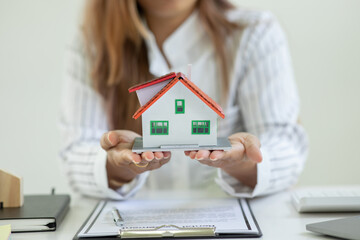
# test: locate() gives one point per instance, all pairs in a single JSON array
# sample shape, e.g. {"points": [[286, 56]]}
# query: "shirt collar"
{"points": [[177, 47]]}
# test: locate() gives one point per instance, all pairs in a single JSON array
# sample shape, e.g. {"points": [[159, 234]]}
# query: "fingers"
{"points": [[112, 138], [167, 155], [126, 135], [205, 154], [152, 156], [109, 140], [122, 155], [192, 154], [158, 155], [136, 158], [150, 161], [202, 154], [207, 157], [252, 148], [148, 156], [244, 146], [216, 155]]}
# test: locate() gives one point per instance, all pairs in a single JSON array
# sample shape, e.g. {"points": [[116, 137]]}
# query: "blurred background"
{"points": [[324, 38]]}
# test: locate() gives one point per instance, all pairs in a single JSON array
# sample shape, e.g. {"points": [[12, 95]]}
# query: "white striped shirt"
{"points": [[262, 100]]}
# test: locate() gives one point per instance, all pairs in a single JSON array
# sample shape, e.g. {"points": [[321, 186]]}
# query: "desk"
{"points": [[275, 214]]}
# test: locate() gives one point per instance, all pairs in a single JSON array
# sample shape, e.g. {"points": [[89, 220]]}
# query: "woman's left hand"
{"points": [[240, 162]]}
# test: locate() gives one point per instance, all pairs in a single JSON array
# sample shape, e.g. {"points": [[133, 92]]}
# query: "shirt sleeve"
{"points": [[269, 103], [82, 123]]}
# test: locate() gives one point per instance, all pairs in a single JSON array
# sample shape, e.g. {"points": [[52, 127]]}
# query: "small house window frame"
{"points": [[177, 111], [200, 127], [155, 127]]}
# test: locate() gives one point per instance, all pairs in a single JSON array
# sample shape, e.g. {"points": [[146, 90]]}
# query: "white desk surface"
{"points": [[275, 214]]}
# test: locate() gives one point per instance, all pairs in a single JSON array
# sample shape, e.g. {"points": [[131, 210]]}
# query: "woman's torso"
{"points": [[190, 44]]}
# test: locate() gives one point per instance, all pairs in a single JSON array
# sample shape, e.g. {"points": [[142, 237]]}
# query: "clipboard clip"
{"points": [[167, 231]]}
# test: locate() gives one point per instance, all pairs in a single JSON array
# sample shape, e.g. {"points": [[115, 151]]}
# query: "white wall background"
{"points": [[32, 42], [324, 37]]}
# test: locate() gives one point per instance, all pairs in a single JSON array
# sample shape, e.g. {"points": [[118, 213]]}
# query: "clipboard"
{"points": [[173, 232]]}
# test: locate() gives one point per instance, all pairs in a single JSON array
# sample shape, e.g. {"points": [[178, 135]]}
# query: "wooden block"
{"points": [[11, 190]]}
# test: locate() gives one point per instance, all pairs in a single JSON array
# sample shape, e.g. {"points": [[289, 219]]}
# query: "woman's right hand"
{"points": [[122, 164]]}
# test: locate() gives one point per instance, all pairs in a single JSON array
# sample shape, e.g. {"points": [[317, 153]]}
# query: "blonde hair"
{"points": [[115, 39]]}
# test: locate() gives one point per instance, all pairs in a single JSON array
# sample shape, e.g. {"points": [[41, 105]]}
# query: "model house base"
{"points": [[222, 144]]}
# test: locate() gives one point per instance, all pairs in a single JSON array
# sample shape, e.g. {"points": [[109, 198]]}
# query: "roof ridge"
{"points": [[203, 96], [175, 78], [152, 82], [141, 110]]}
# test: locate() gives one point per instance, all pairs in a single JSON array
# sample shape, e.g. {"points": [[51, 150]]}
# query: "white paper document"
{"points": [[230, 216]]}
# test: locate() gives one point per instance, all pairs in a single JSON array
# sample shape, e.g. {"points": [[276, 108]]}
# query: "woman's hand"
{"points": [[122, 164], [240, 162]]}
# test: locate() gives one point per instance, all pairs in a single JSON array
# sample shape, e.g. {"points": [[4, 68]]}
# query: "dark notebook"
{"points": [[39, 213]]}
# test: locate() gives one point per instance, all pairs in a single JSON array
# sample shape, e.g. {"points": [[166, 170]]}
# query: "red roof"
{"points": [[178, 77], [152, 82]]}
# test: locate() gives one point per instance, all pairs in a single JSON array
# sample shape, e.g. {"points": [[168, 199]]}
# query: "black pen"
{"points": [[118, 220]]}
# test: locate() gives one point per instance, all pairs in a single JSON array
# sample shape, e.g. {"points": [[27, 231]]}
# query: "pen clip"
{"points": [[167, 231], [118, 220]]}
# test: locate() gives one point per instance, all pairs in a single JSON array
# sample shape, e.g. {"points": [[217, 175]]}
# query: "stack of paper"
{"points": [[227, 216]]}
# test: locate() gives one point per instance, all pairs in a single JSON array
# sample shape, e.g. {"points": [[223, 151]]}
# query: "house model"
{"points": [[176, 114]]}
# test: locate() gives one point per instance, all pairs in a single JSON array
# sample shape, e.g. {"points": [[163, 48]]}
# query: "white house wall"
{"points": [[179, 124]]}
